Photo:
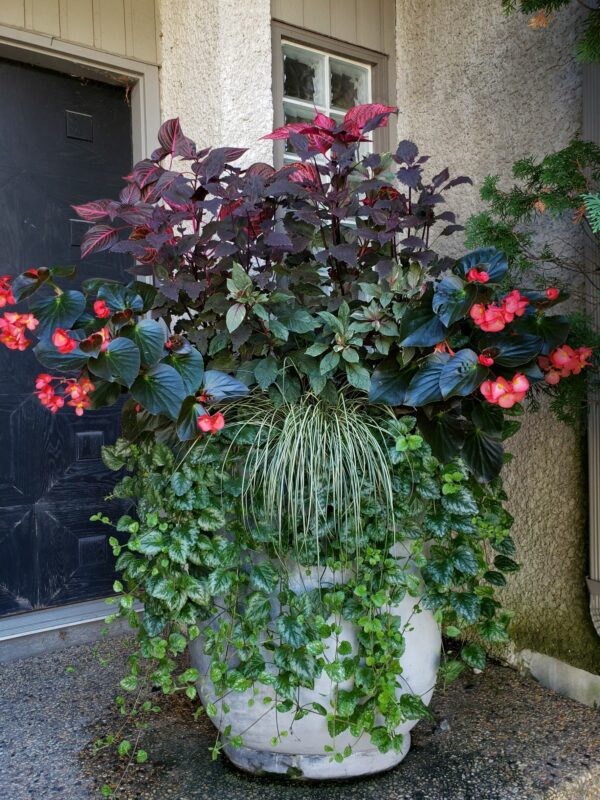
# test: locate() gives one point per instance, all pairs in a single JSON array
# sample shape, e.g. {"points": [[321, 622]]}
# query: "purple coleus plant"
{"points": [[319, 277]]}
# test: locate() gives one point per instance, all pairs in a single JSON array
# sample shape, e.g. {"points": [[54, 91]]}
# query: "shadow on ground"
{"points": [[496, 736]]}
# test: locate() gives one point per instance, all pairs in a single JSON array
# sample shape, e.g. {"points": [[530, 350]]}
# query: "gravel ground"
{"points": [[497, 736]]}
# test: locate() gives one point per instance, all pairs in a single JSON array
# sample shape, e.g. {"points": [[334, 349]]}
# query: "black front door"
{"points": [[63, 141]]}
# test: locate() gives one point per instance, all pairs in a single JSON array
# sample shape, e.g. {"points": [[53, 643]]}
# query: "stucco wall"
{"points": [[216, 71], [477, 91]]}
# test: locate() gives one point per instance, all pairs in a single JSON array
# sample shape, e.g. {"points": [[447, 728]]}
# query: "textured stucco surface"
{"points": [[215, 71], [477, 91]]}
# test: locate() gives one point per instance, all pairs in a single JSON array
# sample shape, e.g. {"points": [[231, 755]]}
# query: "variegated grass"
{"points": [[311, 465]]}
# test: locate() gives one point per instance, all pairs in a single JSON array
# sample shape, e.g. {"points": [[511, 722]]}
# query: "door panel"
{"points": [[63, 141]]}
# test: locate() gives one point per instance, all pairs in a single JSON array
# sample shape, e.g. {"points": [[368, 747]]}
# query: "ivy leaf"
{"points": [[221, 581], [492, 631], [160, 391], [303, 665], [292, 631], [257, 609], [464, 560], [465, 604], [264, 576], [474, 656], [336, 671], [58, 311]]}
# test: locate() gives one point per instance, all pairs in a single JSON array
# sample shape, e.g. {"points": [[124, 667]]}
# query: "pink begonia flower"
{"points": [[63, 342], [6, 296], [208, 424], [101, 310], [477, 276], [552, 293], [514, 305], [485, 361], [490, 319], [505, 393]]}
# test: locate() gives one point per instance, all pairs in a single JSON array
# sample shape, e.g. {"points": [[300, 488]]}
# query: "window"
{"points": [[314, 79], [314, 73]]}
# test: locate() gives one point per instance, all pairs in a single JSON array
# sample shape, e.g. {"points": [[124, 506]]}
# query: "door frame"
{"points": [[50, 629], [55, 54]]}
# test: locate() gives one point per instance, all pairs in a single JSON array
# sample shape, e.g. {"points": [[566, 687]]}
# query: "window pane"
{"points": [[349, 84], [294, 113], [303, 74]]}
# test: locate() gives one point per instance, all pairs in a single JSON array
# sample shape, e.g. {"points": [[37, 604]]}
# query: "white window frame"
{"points": [[378, 74]]}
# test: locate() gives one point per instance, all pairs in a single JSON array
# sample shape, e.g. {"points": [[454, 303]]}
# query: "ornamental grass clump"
{"points": [[305, 382]]}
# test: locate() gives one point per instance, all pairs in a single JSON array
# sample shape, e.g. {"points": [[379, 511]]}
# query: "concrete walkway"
{"points": [[497, 736]]}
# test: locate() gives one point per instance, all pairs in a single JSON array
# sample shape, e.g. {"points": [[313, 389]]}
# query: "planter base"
{"points": [[314, 767]]}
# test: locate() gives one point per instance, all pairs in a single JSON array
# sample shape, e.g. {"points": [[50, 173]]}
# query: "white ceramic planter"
{"points": [[301, 753]]}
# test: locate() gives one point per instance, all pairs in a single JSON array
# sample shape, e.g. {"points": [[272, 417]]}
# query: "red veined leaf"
{"points": [[94, 211], [130, 193], [144, 173], [173, 141], [357, 118], [285, 130], [260, 170], [98, 238]]}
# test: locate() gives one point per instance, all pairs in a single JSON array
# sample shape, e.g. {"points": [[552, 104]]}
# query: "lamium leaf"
{"points": [[190, 365], [58, 311], [486, 259], [511, 351], [421, 327], [160, 391], [187, 421], [389, 383], [452, 299], [462, 374], [264, 576], [424, 386], [220, 386], [120, 361], [473, 655], [150, 336]]}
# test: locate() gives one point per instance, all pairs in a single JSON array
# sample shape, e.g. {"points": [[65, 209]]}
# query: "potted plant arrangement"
{"points": [[312, 436]]}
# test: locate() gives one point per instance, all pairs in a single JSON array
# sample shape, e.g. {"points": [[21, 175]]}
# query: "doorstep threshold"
{"points": [[50, 619]]}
